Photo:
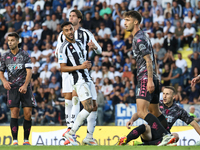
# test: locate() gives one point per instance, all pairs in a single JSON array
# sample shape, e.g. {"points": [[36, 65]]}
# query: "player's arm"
{"points": [[65, 68], [23, 88], [93, 44], [196, 126], [133, 119], [149, 65]]}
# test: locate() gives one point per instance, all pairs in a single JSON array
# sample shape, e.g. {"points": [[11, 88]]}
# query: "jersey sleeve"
{"points": [[142, 47], [27, 61], [185, 116], [60, 41], [91, 37], [62, 57], [2, 63]]}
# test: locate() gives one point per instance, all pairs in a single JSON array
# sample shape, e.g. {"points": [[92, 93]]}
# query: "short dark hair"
{"points": [[171, 88], [15, 35], [66, 23], [134, 14], [78, 13]]}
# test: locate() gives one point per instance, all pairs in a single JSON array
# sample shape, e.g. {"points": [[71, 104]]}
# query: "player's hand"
{"points": [[23, 89], [92, 45], [150, 86], [86, 64], [194, 81], [6, 85], [129, 123]]}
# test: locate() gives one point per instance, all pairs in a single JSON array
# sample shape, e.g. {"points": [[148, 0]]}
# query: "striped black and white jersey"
{"points": [[85, 36], [73, 54]]}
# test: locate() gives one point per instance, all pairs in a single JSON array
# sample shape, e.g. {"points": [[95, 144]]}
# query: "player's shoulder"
{"points": [[85, 30], [24, 53], [140, 37], [6, 55]]}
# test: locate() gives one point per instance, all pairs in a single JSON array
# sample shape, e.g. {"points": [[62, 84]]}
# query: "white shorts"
{"points": [[66, 83], [85, 90]]}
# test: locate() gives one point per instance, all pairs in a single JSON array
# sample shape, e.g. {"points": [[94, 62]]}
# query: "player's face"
{"points": [[167, 96], [12, 42], [73, 18], [68, 31], [129, 23]]}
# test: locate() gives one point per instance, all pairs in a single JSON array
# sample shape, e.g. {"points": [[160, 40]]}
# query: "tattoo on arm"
{"points": [[149, 66], [88, 104]]}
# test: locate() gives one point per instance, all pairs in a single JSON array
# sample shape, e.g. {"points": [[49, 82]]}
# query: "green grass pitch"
{"points": [[99, 148]]}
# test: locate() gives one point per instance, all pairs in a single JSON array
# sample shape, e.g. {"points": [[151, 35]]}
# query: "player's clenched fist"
{"points": [[86, 64]]}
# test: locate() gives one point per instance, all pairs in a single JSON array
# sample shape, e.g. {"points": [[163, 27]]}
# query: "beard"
{"points": [[13, 48], [70, 39]]}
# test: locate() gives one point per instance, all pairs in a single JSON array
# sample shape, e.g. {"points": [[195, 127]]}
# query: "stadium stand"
{"points": [[38, 23]]}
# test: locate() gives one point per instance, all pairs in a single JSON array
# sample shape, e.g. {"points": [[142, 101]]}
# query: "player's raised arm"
{"points": [[93, 44]]}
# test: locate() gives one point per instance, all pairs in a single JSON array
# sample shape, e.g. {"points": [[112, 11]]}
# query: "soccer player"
{"points": [[72, 103], [147, 97], [72, 59], [18, 65], [171, 111]]}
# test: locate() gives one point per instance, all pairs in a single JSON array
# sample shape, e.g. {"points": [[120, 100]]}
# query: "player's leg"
{"points": [[143, 99], [85, 96], [28, 101], [13, 103], [91, 119], [143, 130], [27, 124], [75, 107]]}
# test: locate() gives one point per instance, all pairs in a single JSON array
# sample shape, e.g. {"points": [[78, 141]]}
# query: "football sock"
{"points": [[91, 123], [135, 133], [155, 124], [155, 142], [15, 141], [75, 109], [27, 129], [14, 128], [79, 121], [68, 108], [163, 121]]}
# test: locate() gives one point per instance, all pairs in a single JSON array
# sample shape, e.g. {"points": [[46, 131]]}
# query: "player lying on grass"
{"points": [[171, 111]]}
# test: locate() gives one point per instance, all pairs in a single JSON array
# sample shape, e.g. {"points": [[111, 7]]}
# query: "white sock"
{"points": [[25, 140], [91, 123], [75, 109], [79, 121], [15, 141], [68, 108]]}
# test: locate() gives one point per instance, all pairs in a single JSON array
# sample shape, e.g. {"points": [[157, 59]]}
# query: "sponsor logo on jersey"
{"points": [[71, 47], [14, 58], [15, 66], [142, 47], [8, 57], [61, 57]]}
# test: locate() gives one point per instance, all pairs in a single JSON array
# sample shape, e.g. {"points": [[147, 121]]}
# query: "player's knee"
{"points": [[27, 115], [75, 100]]}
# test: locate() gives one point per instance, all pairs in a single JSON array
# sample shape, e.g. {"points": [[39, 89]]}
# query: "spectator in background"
{"points": [[3, 115], [159, 39], [37, 19], [169, 18], [147, 18], [189, 19], [104, 30], [195, 74], [180, 95], [160, 53], [101, 103], [47, 10], [87, 21], [35, 74], [118, 83], [168, 9], [18, 23], [52, 96], [128, 45], [26, 33], [175, 75], [156, 28], [50, 115], [2, 29], [36, 53], [192, 110], [56, 74], [197, 13], [186, 9], [45, 31], [97, 61], [37, 12], [42, 113], [96, 21], [106, 61], [127, 73], [159, 18], [181, 63], [4, 49], [116, 12], [35, 63], [46, 53], [119, 43], [195, 62], [179, 34], [177, 9], [28, 22], [192, 92], [37, 31], [118, 63], [57, 3], [166, 75], [9, 15], [96, 73], [154, 9], [188, 35], [196, 44], [44, 74], [34, 116], [105, 9], [55, 85], [170, 43], [147, 28], [58, 12], [131, 99], [108, 22], [107, 87], [107, 46], [177, 19], [168, 28]]}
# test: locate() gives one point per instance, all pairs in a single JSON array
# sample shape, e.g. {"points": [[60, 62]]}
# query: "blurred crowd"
{"points": [[170, 24]]}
